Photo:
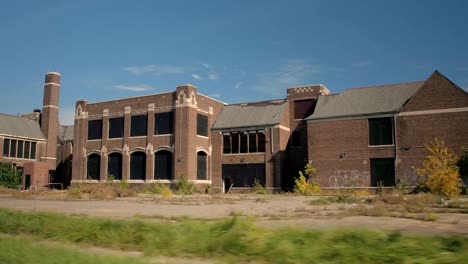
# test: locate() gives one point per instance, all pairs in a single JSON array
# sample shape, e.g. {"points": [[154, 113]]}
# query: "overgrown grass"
{"points": [[236, 239], [19, 251]]}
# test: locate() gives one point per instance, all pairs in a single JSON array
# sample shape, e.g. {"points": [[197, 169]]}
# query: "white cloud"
{"points": [[67, 115], [362, 64], [196, 76], [214, 95], [134, 88], [206, 65], [238, 85], [213, 76], [293, 73], [155, 69]]}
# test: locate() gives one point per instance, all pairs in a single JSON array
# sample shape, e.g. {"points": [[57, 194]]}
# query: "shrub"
{"points": [[166, 193], [439, 171], [124, 185], [259, 188], [10, 176], [307, 186], [158, 187], [184, 186], [208, 188], [110, 179]]}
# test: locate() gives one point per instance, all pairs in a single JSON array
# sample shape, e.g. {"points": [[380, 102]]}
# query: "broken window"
{"points": [[94, 129], [164, 123], [6, 147], [20, 149], [116, 127], [94, 167], [138, 166], [114, 167], [303, 108], [201, 165], [381, 131], [252, 141], [227, 143], [261, 141], [13, 148], [138, 126], [202, 125], [27, 145], [235, 142], [244, 175], [33, 150], [163, 165], [244, 142]]}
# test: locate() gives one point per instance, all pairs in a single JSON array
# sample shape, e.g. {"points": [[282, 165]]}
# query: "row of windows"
{"points": [[164, 124], [244, 142], [20, 149], [162, 166]]}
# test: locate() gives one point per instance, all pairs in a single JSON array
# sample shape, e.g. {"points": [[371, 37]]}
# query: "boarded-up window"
{"points": [[94, 129], [244, 175], [116, 127], [243, 142], [94, 167], [20, 149], [303, 108], [163, 165], [138, 166], [27, 145], [202, 125], [261, 141], [138, 126], [33, 150], [252, 142], [164, 123], [227, 143], [381, 131], [235, 142], [114, 167], [13, 148], [201, 166], [6, 147]]}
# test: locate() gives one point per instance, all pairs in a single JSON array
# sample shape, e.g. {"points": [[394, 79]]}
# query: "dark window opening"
{"points": [[201, 166], [303, 108], [116, 127], [13, 148], [164, 123], [202, 125], [296, 138], [27, 145], [382, 172], [380, 131], [138, 166], [163, 165], [94, 129], [243, 142], [261, 142], [244, 175], [33, 150], [235, 142], [114, 167], [138, 126], [20, 149], [227, 144], [252, 142], [94, 167], [6, 147]]}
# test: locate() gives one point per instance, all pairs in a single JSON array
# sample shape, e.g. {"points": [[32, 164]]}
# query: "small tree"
{"points": [[439, 172], [307, 186], [10, 176]]}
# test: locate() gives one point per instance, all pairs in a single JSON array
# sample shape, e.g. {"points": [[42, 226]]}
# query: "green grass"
{"points": [[236, 239], [19, 251]]}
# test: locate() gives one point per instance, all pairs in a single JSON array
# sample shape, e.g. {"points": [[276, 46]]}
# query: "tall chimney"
{"points": [[50, 116]]}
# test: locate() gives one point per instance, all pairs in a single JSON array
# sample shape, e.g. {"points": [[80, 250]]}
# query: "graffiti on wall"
{"points": [[349, 178]]}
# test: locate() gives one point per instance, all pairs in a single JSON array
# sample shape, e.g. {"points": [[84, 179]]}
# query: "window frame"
{"points": [[372, 124], [98, 136], [133, 127], [113, 122], [202, 130], [170, 123]]}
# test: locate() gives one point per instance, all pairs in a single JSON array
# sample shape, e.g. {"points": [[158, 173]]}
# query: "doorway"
{"points": [[27, 181], [227, 184], [382, 172]]}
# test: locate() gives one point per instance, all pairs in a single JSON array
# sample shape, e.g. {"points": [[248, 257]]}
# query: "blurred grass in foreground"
{"points": [[236, 239]]}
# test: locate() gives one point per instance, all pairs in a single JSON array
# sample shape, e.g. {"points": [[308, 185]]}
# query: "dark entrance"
{"points": [[138, 166], [227, 184], [382, 172], [114, 167], [163, 165], [27, 181], [244, 175]]}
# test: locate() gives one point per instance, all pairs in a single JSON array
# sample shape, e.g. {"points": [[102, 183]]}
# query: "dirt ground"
{"points": [[272, 211]]}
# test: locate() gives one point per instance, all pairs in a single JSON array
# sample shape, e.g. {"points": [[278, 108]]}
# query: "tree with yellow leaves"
{"points": [[439, 172]]}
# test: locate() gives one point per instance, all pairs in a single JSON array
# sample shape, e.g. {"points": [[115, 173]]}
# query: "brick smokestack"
{"points": [[50, 116]]}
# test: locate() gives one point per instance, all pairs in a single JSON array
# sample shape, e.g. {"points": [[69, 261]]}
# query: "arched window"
{"points": [[202, 165], [163, 165], [138, 166], [114, 167], [94, 167]]}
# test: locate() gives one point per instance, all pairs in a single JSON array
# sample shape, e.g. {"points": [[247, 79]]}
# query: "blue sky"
{"points": [[234, 51]]}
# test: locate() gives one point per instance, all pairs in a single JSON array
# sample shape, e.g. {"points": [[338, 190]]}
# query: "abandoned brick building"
{"points": [[31, 142]]}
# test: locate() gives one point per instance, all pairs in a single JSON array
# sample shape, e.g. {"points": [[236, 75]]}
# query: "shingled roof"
{"points": [[250, 115], [66, 133], [365, 101], [20, 127]]}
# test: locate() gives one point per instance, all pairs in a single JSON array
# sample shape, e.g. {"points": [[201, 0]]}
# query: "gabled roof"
{"points": [[66, 133], [248, 115], [19, 127], [365, 101]]}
